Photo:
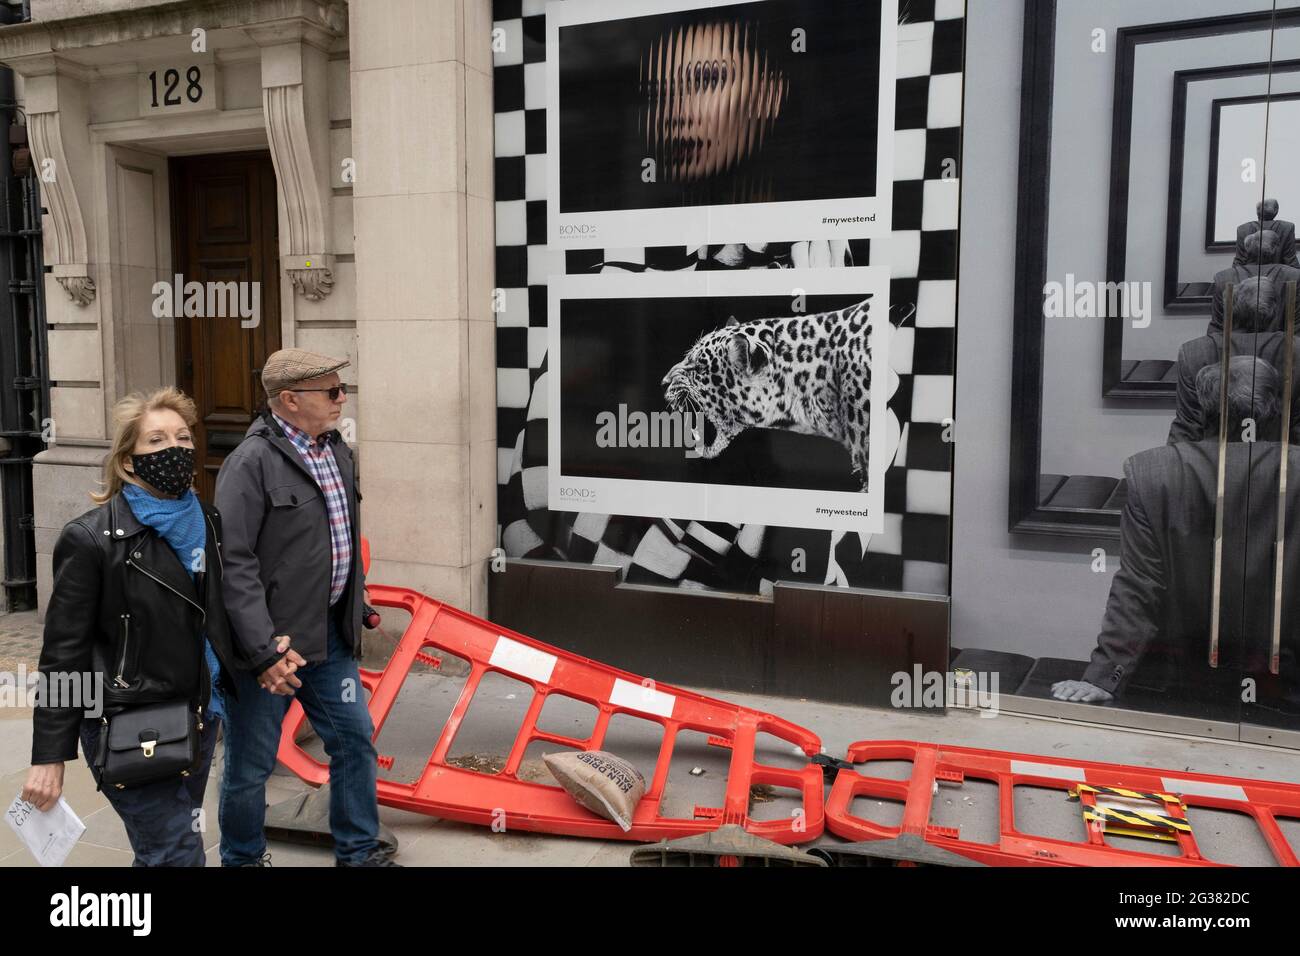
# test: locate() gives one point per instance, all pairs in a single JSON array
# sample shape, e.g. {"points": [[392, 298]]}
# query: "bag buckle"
{"points": [[147, 746]]}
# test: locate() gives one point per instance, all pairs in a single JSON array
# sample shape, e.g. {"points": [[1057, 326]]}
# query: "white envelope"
{"points": [[49, 834]]}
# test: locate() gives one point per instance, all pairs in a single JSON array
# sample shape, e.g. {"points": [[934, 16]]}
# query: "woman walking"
{"points": [[137, 604]]}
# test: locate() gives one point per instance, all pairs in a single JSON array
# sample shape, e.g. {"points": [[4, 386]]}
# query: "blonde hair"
{"points": [[127, 415]]}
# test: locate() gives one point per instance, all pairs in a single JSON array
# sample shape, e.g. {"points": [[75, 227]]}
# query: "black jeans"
{"points": [[164, 820]]}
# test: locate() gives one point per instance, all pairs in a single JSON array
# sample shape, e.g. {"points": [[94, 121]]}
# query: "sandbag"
{"points": [[605, 784]]}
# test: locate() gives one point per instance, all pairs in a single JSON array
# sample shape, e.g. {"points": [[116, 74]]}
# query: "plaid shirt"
{"points": [[318, 456]]}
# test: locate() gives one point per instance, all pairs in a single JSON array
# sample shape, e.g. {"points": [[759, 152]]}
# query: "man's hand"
{"points": [[1080, 691], [44, 785], [279, 677]]}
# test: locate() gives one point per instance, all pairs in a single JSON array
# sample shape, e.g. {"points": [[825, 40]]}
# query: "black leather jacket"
{"points": [[126, 610]]}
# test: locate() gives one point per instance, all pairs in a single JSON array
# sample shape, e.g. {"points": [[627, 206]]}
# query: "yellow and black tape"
{"points": [[1162, 836], [1139, 819], [1121, 792]]}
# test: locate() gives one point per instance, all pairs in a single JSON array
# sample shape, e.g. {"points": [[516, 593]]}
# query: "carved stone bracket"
{"points": [[81, 289], [66, 241], [312, 284], [297, 172]]}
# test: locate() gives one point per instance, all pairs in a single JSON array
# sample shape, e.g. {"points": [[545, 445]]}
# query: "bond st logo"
{"points": [[574, 229], [573, 493]]}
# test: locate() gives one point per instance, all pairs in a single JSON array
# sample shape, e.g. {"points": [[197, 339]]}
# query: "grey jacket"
{"points": [[1286, 241], [277, 548], [1156, 628], [1242, 270], [1189, 418]]}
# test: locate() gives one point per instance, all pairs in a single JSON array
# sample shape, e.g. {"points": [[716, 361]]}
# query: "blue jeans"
{"points": [[164, 820], [335, 703]]}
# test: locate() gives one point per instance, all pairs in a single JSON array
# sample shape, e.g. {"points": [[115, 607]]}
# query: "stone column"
{"points": [[421, 78]]}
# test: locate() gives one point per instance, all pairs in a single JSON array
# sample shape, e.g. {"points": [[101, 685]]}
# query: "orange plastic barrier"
{"points": [[1156, 799], [455, 793]]}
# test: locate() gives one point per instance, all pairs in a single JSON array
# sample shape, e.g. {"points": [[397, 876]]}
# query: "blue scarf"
{"points": [[179, 522]]}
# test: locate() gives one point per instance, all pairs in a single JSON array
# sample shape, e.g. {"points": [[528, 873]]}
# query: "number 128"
{"points": [[171, 80]]}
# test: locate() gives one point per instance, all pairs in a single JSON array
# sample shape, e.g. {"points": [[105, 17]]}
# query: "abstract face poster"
{"points": [[739, 397], [676, 121]]}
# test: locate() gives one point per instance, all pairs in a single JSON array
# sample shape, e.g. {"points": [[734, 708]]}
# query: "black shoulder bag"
{"points": [[148, 743]]}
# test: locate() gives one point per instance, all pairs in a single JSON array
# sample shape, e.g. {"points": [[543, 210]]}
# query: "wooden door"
{"points": [[224, 229]]}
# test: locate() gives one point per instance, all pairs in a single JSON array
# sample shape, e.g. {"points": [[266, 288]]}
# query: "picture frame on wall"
{"points": [[1238, 127], [1126, 375], [1187, 290], [752, 397], [682, 122]]}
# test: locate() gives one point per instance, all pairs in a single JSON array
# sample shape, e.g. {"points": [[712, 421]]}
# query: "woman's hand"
{"points": [[44, 785]]}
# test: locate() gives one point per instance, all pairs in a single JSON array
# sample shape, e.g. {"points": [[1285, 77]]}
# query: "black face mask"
{"points": [[170, 470]]}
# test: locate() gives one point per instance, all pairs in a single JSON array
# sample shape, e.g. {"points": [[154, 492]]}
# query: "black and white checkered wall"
{"points": [[913, 551]]}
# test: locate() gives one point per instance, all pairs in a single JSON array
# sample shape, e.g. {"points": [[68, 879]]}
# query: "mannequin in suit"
{"points": [[1267, 211], [1157, 619], [1259, 250], [1254, 305]]}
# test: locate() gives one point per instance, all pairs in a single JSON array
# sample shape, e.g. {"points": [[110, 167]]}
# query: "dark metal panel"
{"points": [[832, 644], [664, 633], [845, 644], [24, 366]]}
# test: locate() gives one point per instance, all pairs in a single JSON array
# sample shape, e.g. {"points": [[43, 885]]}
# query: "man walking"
{"points": [[293, 586]]}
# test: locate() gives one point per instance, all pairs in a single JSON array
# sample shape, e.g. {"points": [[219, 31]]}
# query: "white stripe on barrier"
{"points": [[523, 660], [642, 697], [1047, 770], [1203, 788]]}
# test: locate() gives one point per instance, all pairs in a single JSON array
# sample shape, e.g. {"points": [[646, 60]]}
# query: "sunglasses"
{"points": [[333, 393]]}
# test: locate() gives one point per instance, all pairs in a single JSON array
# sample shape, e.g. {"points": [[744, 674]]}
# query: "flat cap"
{"points": [[288, 367]]}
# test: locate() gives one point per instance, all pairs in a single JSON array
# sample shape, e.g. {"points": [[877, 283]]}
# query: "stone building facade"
{"points": [[148, 122]]}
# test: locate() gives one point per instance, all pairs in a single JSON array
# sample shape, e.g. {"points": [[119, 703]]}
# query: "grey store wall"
{"points": [[1012, 593]]}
